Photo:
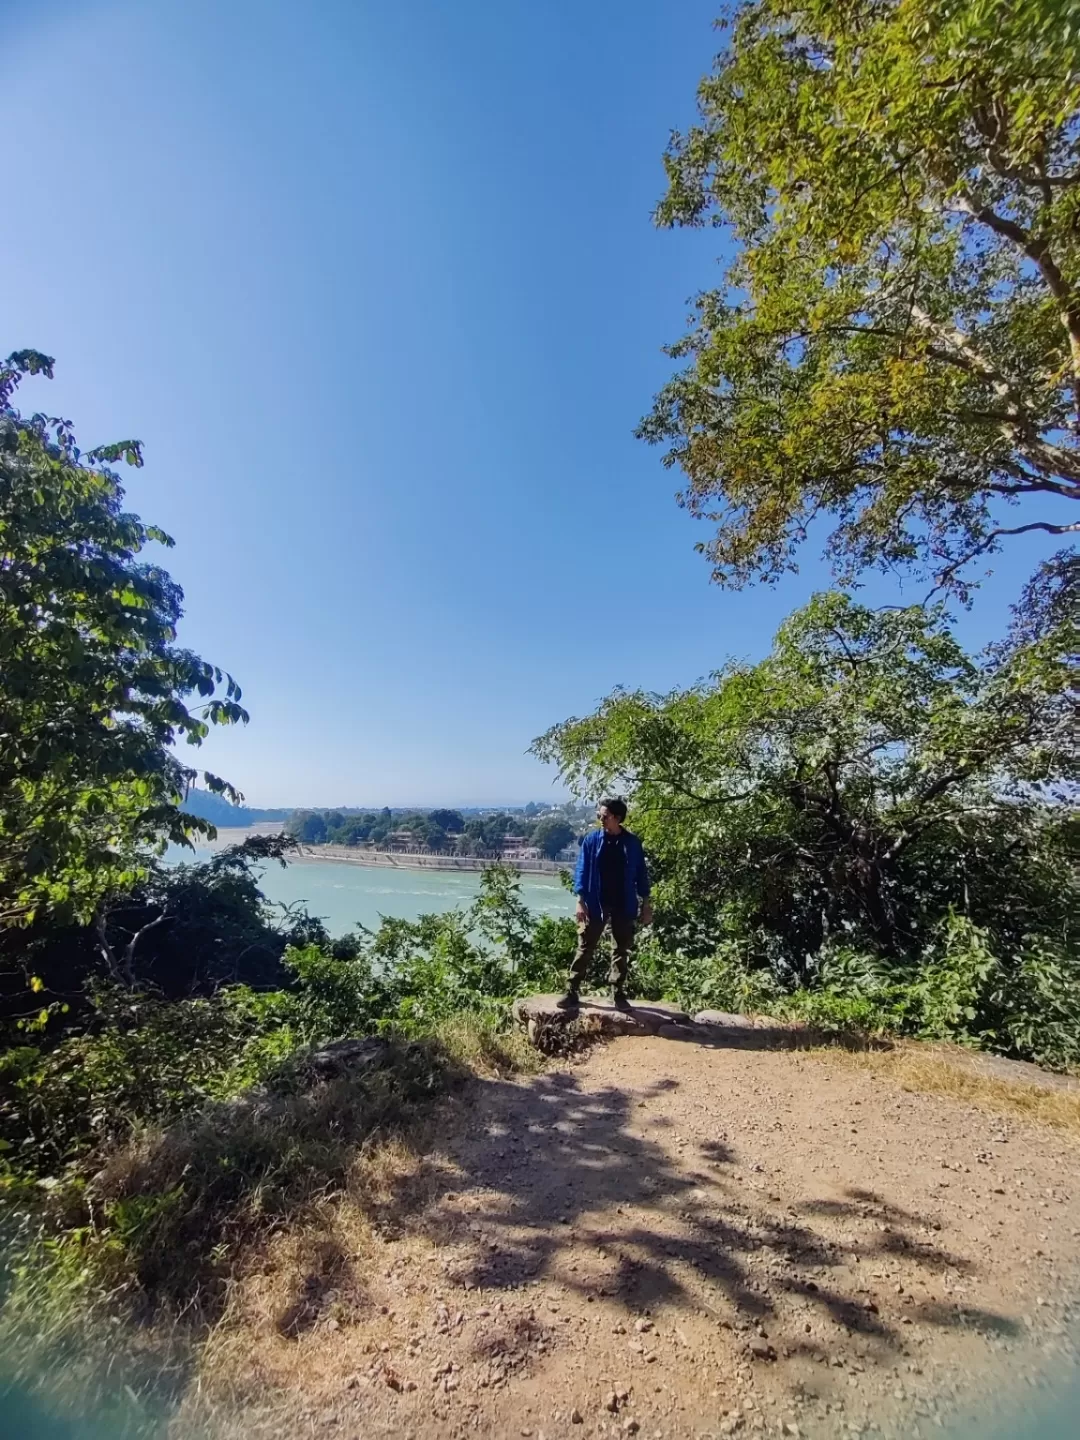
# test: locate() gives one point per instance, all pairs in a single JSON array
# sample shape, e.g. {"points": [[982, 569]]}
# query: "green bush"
{"points": [[959, 991], [829, 1012], [146, 1062], [143, 1061], [1043, 1005], [332, 996], [726, 979]]}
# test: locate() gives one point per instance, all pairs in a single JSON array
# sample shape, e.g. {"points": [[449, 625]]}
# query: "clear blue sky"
{"points": [[377, 286]]}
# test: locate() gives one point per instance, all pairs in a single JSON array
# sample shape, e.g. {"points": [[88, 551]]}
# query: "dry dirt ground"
{"points": [[669, 1240]]}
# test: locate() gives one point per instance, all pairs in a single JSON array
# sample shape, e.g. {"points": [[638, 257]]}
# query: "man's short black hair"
{"points": [[615, 807]]}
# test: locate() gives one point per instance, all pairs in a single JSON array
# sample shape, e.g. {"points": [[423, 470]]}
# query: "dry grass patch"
{"points": [[251, 1221], [966, 1076], [310, 1310], [475, 1043]]}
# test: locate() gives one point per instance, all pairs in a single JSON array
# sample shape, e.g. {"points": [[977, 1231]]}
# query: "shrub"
{"points": [[164, 1225], [149, 1062], [958, 993], [1042, 1018]]}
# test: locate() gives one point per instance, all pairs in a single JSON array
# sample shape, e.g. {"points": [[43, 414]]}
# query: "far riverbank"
{"points": [[420, 860]]}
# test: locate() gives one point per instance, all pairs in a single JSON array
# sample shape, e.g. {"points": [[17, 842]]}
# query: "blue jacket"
{"points": [[587, 874]]}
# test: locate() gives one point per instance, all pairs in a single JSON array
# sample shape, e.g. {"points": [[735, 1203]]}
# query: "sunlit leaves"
{"points": [[896, 350], [859, 780], [94, 694]]}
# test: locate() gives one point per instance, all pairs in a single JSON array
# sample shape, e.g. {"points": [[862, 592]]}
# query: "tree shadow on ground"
{"points": [[553, 1182], [774, 1036], [550, 1027]]}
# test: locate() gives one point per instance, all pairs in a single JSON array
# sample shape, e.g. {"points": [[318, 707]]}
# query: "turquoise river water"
{"points": [[345, 895]]}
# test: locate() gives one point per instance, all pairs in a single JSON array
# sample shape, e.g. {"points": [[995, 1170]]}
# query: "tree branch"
{"points": [[129, 948], [1035, 179], [1015, 421], [1030, 486], [681, 789], [1038, 252], [1043, 456], [853, 661], [988, 540], [964, 351], [103, 944], [125, 967], [993, 128]]}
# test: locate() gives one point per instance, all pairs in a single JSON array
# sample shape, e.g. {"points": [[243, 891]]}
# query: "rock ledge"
{"points": [[539, 1013]]}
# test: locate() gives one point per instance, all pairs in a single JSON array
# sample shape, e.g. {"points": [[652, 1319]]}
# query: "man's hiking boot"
{"points": [[570, 1001], [620, 999]]}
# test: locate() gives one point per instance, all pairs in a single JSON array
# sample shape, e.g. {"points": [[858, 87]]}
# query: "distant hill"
{"points": [[218, 810]]}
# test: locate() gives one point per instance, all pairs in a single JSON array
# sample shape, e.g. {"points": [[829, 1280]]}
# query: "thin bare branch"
{"points": [[987, 543]]}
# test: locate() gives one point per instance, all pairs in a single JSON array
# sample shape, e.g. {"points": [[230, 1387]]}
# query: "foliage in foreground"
{"points": [[958, 989], [148, 1155], [139, 1058], [150, 1151], [181, 932]]}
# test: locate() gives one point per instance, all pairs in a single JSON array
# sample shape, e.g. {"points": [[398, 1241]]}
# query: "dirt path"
{"points": [[673, 1241]]}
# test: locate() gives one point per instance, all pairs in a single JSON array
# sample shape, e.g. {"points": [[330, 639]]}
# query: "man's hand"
{"points": [[645, 918], [582, 913]]}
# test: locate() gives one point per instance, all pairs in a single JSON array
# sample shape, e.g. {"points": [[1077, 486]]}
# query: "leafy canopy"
{"points": [[94, 691], [856, 783], [896, 347], [552, 834]]}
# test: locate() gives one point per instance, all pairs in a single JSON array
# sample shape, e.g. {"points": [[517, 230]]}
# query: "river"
{"points": [[344, 896]]}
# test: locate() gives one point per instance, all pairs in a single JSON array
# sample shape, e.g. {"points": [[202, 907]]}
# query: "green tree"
{"points": [[500, 914], [94, 691], [449, 820], [494, 827], [855, 785], [309, 827], [551, 835], [896, 346], [354, 831]]}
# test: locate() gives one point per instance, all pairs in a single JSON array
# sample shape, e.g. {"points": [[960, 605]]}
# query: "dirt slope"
{"points": [[669, 1240]]}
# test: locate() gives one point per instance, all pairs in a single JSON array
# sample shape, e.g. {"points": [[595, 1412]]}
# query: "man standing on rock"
{"points": [[612, 885]]}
